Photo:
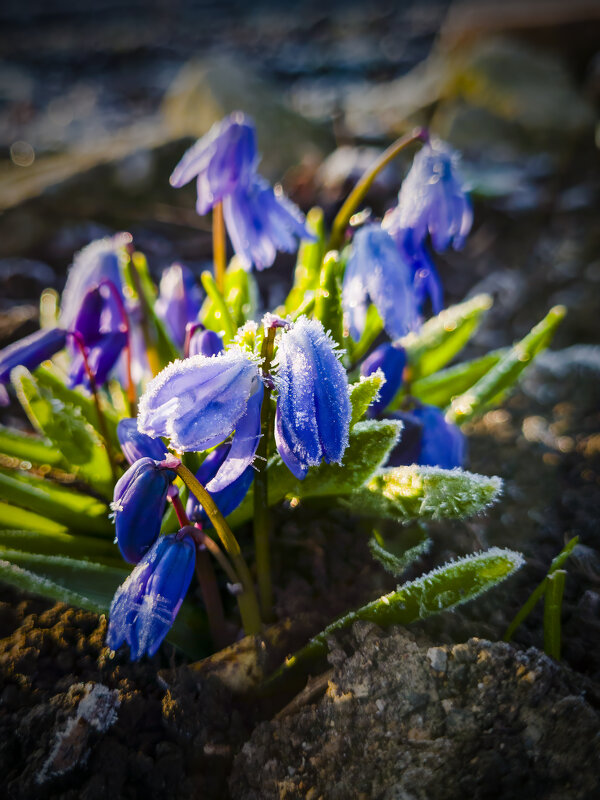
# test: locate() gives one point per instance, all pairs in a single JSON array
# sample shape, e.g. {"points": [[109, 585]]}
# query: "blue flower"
{"points": [[139, 502], [136, 445], [179, 301], [313, 412], [203, 341], [261, 221], [426, 280], [223, 159], [391, 360], [31, 350], [198, 402], [145, 606], [98, 262], [376, 273], [100, 328], [428, 440], [432, 199], [228, 498]]}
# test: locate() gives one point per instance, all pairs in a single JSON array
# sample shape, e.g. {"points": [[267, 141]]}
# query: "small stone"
{"points": [[438, 658]]}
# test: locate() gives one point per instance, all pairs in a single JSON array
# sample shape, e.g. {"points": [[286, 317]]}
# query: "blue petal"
{"points": [[391, 359], [229, 498], [136, 445], [205, 342], [179, 301], [139, 502], [198, 402], [443, 444], [31, 350]]}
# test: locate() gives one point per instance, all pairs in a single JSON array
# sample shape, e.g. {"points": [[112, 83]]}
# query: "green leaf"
{"points": [[439, 590], [64, 425], [443, 336], [223, 321], [240, 296], [308, 264], [538, 592], [29, 448], [369, 446], [398, 551], [492, 388], [363, 392], [425, 493], [555, 587], [439, 389], [373, 327], [59, 503], [89, 548], [91, 586], [328, 298], [50, 380], [12, 517]]}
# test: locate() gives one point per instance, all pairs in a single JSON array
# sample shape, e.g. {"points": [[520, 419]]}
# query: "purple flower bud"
{"points": [[179, 301], [136, 445], [204, 342], [100, 328], [139, 503], [261, 221], [391, 360], [221, 160], [97, 262], [376, 273], [196, 403], [145, 606], [31, 351], [432, 199], [228, 498], [312, 419]]}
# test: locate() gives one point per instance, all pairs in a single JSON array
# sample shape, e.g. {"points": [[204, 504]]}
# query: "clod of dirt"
{"points": [[404, 720]]}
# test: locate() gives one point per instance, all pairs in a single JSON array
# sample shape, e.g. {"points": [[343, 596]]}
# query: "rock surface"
{"points": [[402, 720]]}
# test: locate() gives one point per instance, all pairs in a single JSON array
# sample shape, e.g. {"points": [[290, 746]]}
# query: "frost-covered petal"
{"points": [[391, 360], [243, 447], [260, 222], [313, 409], [197, 402], [31, 350], [139, 502], [377, 271], [179, 301], [221, 160], [136, 445]]}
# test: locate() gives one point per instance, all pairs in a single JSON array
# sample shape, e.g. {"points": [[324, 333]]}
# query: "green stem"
{"points": [[150, 340], [555, 586], [262, 518], [247, 601], [222, 312], [219, 246], [340, 223]]}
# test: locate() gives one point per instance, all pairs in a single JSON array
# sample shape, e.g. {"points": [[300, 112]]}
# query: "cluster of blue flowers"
{"points": [[211, 400]]}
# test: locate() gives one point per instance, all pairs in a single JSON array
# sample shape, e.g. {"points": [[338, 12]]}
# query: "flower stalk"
{"points": [[356, 196], [146, 327], [219, 246], [262, 518]]}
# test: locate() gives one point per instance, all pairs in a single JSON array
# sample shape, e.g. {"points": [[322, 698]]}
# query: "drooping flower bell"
{"points": [[31, 351], [100, 328], [228, 498], [376, 273], [427, 284], [260, 221], [179, 301], [139, 503], [312, 418], [136, 445], [391, 360], [432, 199], [145, 606], [198, 402], [223, 159]]}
